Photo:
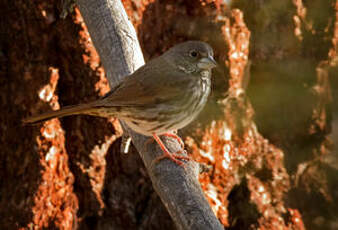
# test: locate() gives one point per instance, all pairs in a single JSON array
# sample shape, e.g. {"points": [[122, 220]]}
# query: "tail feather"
{"points": [[66, 111]]}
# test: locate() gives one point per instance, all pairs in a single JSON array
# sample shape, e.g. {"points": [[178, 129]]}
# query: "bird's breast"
{"points": [[175, 113]]}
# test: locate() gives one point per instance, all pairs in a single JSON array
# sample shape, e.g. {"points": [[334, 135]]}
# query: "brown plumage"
{"points": [[164, 95]]}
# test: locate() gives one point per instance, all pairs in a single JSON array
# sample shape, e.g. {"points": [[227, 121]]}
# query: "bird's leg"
{"points": [[166, 154], [173, 135]]}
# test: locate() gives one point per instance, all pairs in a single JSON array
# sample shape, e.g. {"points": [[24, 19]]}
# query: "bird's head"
{"points": [[192, 56]]}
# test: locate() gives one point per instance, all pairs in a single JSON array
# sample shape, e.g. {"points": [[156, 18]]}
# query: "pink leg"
{"points": [[166, 154], [173, 135]]}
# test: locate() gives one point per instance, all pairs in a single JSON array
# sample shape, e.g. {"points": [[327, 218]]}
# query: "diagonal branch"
{"points": [[116, 42]]}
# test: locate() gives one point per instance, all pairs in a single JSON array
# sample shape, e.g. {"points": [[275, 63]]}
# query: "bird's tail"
{"points": [[66, 111]]}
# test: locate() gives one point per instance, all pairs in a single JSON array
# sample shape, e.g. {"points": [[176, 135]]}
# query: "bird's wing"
{"points": [[153, 83]]}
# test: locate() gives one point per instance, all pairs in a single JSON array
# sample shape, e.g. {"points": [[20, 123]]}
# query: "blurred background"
{"points": [[268, 135]]}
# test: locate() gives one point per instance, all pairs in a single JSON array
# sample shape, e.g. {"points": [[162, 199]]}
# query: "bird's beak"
{"points": [[207, 63]]}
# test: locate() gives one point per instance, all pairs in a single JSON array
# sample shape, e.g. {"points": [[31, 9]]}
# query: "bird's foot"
{"points": [[173, 135], [175, 157]]}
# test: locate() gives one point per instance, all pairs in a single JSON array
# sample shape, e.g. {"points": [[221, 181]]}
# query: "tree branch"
{"points": [[116, 42]]}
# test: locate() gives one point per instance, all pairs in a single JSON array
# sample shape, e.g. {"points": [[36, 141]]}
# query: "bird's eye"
{"points": [[193, 53]]}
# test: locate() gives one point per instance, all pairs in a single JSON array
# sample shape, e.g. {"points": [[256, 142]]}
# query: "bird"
{"points": [[160, 97]]}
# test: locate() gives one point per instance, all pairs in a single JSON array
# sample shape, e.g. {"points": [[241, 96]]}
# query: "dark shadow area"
{"points": [[21, 59], [313, 193], [131, 202], [243, 214]]}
